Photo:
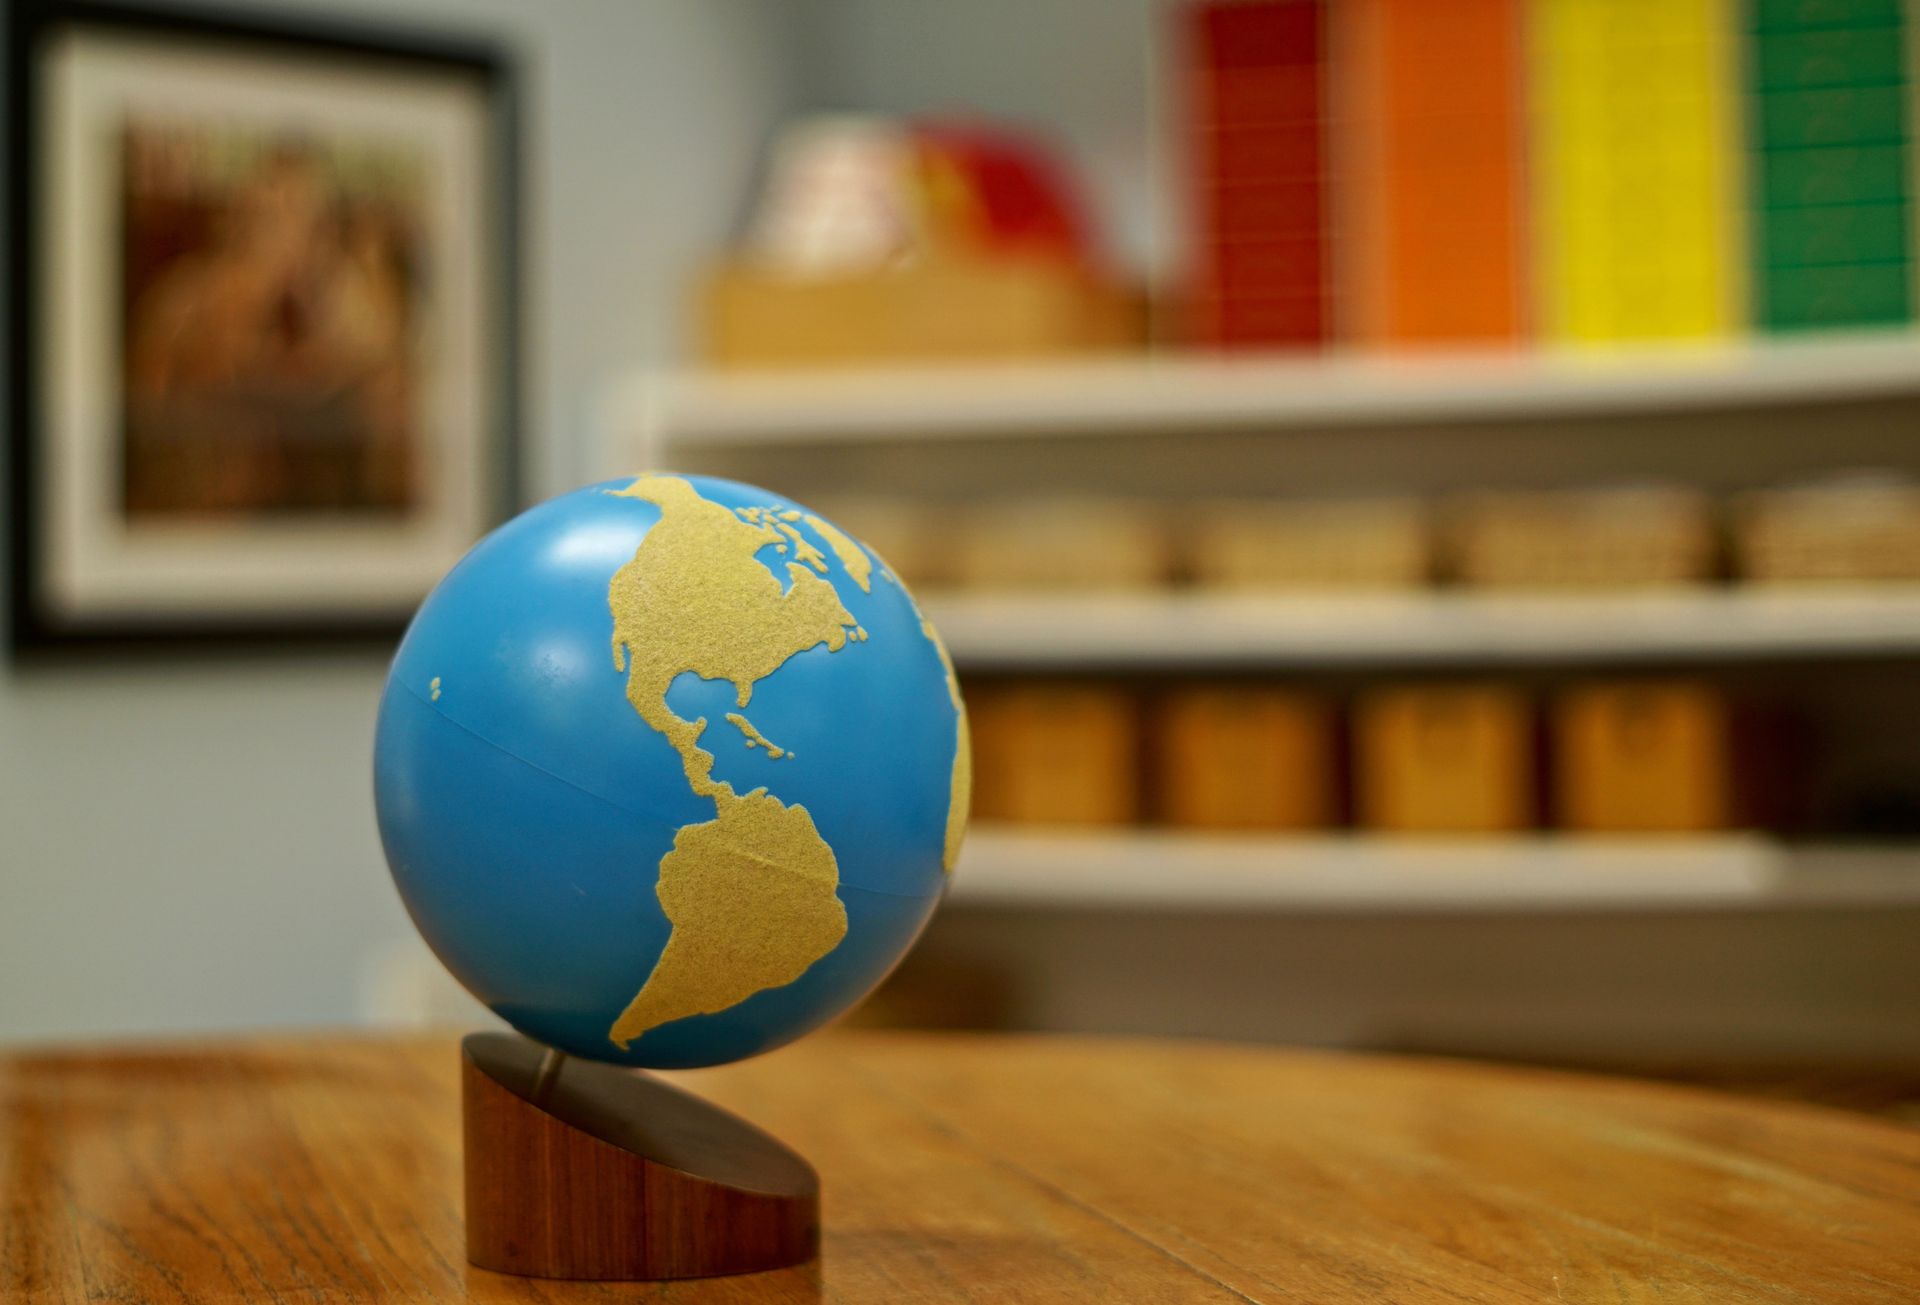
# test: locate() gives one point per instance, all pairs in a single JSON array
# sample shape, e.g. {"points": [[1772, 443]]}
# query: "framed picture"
{"points": [[261, 320]]}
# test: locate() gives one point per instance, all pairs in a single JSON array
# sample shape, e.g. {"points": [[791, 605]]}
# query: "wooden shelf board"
{"points": [[1152, 393], [1153, 870], [1041, 630]]}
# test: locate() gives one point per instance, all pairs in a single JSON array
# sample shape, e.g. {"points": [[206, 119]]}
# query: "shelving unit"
{"points": [[1713, 623], [1709, 945], [1092, 414], [1153, 870], [648, 416]]}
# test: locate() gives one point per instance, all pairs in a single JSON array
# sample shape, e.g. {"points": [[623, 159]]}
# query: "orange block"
{"points": [[1442, 312], [1428, 153]]}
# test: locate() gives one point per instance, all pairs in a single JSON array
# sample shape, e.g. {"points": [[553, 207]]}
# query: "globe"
{"points": [[670, 771]]}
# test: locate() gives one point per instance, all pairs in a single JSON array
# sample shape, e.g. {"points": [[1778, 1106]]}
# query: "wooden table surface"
{"points": [[980, 1169]]}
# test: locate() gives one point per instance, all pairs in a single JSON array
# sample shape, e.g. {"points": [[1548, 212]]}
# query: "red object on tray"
{"points": [[994, 192]]}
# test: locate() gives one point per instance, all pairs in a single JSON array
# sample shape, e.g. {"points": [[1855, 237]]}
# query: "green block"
{"points": [[1849, 56], [1839, 174], [1830, 234], [1867, 294], [1841, 115], [1800, 15]]}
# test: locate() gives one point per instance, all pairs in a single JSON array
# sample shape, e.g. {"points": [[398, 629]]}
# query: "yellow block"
{"points": [[1636, 163]]}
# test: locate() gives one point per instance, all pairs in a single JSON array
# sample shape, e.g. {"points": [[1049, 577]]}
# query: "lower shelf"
{"points": [[1154, 870], [1707, 623]]}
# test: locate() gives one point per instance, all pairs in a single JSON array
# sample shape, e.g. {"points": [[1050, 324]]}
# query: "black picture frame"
{"points": [[34, 628]]}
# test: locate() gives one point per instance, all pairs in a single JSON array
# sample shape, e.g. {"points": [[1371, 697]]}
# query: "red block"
{"points": [[1260, 211], [1259, 157], [1252, 35], [1263, 269], [1259, 154], [1255, 97], [1246, 322]]}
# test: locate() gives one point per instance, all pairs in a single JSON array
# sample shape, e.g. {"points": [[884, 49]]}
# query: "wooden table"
{"points": [[980, 1169]]}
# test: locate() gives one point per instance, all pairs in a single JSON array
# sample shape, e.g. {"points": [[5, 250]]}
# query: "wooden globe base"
{"points": [[615, 1176]]}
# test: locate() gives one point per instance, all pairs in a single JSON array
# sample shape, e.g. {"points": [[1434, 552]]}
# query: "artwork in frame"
{"points": [[262, 353]]}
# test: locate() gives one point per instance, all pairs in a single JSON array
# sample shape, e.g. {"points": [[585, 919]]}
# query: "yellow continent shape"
{"points": [[853, 557], [754, 738], [751, 894], [751, 897], [960, 787]]}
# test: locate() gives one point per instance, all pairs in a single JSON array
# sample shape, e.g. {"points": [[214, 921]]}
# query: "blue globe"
{"points": [[670, 771]]}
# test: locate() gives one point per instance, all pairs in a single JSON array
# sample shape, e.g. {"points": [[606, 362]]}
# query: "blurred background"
{"points": [[1421, 495]]}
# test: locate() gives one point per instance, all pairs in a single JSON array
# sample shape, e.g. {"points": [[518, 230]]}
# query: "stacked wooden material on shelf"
{"points": [[1636, 168], [1454, 758], [1858, 527], [1849, 529], [1257, 149], [1293, 544], [1060, 543], [1862, 526], [1244, 756], [1062, 753], [1832, 214], [1620, 537], [1642, 757], [1428, 195]]}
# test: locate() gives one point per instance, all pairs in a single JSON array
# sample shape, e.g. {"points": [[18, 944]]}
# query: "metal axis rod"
{"points": [[547, 1075]]}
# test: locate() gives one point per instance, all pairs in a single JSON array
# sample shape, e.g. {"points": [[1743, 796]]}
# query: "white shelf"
{"points": [[1139, 870], [1042, 630], [649, 414]]}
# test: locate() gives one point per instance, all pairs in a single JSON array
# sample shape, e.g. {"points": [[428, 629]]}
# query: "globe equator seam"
{"points": [[582, 789]]}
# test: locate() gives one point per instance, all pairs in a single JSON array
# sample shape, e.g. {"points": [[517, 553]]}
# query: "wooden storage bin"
{"points": [[1379, 543], [1865, 529], [929, 309], [1645, 757], [1244, 757], [1443, 759], [1054, 752], [1042, 543], [1618, 538]]}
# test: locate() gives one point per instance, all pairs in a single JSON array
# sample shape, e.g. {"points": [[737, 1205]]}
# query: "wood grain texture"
{"points": [[979, 1169], [617, 1176]]}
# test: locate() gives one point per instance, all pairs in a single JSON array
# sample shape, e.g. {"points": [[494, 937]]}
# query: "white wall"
{"points": [[190, 845], [1080, 73]]}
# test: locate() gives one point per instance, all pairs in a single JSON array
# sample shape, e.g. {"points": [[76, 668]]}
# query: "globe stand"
{"points": [[585, 1171]]}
